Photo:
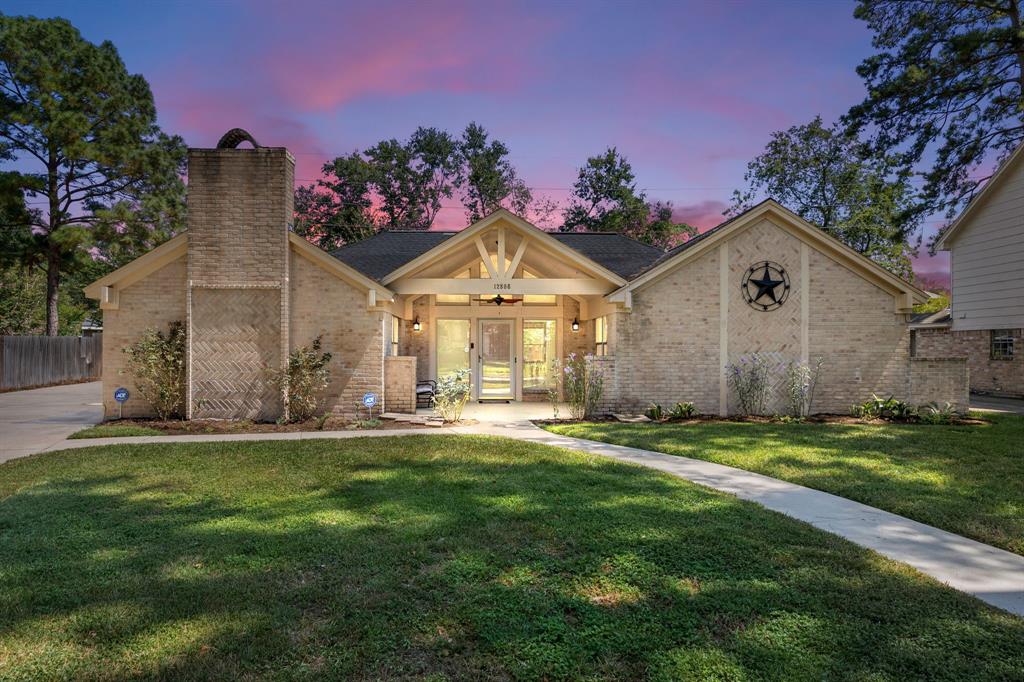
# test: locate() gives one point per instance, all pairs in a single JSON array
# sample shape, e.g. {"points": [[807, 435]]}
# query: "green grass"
{"points": [[446, 557], [964, 479], [116, 431]]}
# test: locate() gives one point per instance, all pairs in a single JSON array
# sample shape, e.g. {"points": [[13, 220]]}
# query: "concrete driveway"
{"points": [[993, 404], [32, 421]]}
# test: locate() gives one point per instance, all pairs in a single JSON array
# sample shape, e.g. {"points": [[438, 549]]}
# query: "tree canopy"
{"points": [[605, 198], [831, 179], [105, 175], [944, 89]]}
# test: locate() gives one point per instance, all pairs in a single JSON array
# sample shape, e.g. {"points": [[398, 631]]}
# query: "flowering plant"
{"points": [[451, 395], [582, 384], [749, 380], [800, 381]]}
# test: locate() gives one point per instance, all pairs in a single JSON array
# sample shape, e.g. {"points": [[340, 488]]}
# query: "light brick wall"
{"points": [[940, 380], [667, 349], [400, 384], [864, 344], [150, 303], [581, 342], [322, 304], [998, 377], [417, 344]]}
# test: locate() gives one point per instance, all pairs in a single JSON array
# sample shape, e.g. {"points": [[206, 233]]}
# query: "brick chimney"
{"points": [[240, 204]]}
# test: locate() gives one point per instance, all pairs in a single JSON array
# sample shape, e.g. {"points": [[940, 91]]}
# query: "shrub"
{"points": [[304, 380], [157, 363], [682, 411], [749, 380], [933, 413], [451, 395], [801, 379], [655, 412], [583, 385], [887, 408]]}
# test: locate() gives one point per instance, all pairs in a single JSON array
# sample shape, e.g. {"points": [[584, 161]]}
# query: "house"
{"points": [[504, 300], [986, 317]]}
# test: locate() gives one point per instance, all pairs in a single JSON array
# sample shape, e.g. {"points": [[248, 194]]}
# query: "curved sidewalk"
{"points": [[993, 575]]}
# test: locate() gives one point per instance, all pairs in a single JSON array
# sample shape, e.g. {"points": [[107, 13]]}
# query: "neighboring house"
{"points": [[505, 300], [986, 317]]}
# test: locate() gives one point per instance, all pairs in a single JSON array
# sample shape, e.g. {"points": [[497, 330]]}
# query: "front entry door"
{"points": [[497, 360]]}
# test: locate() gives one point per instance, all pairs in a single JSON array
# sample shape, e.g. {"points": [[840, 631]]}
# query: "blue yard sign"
{"points": [[370, 400], [120, 395]]}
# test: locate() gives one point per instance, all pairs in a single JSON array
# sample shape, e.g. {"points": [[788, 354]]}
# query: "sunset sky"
{"points": [[689, 92]]}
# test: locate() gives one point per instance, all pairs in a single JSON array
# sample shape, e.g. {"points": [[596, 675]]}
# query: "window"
{"points": [[455, 299], [395, 326], [540, 346], [601, 336], [452, 346], [1002, 344], [537, 299]]}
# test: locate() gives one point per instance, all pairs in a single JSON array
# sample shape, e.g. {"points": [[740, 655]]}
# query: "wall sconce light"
{"points": [[575, 324], [416, 325]]}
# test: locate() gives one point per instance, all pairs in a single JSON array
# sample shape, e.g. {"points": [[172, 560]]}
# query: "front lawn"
{"points": [[964, 479], [450, 558], [115, 431]]}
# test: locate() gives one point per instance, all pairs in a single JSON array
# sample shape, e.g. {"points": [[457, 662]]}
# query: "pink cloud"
{"points": [[703, 215], [400, 50]]}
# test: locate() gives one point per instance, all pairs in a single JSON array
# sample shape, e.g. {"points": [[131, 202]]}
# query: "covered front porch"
{"points": [[505, 302]]}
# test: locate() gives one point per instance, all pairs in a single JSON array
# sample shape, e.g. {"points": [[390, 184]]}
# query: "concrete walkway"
{"points": [[37, 420], [993, 575]]}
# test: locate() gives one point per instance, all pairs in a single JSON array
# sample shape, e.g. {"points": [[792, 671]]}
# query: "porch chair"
{"points": [[425, 393]]}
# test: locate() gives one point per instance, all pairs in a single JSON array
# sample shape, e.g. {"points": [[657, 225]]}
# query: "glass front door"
{"points": [[497, 359]]}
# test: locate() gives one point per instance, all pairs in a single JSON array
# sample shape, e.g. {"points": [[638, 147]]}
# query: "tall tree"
{"points": [[71, 108], [412, 178], [489, 180], [831, 179], [605, 198], [946, 85], [338, 209]]}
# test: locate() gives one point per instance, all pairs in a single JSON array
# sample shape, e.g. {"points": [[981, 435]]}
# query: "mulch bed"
{"points": [[812, 419], [207, 426]]}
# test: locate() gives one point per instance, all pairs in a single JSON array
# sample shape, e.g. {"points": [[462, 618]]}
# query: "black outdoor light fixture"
{"points": [[575, 324], [416, 324]]}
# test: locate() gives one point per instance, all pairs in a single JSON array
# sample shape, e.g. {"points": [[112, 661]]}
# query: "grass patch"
{"points": [[964, 479], [451, 558], [116, 431]]}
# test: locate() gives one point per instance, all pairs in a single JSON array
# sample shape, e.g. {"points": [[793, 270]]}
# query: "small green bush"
{"points": [[655, 412], [157, 363], [451, 395], [886, 408], [304, 380], [933, 413], [682, 411]]}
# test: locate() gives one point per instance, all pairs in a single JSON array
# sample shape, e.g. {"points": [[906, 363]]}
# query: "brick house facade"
{"points": [[505, 300]]}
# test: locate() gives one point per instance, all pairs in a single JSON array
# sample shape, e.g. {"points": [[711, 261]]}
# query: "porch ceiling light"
{"points": [[416, 327], [575, 324]]}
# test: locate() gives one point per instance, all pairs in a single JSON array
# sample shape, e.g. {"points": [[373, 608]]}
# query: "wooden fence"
{"points": [[27, 361]]}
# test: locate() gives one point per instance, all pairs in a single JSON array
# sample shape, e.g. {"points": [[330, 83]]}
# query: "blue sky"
{"points": [[688, 91]]}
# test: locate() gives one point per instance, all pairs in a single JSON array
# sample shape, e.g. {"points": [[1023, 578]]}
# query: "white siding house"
{"points": [[986, 245]]}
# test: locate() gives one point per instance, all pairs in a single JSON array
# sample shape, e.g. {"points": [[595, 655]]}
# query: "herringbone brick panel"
{"points": [[236, 336]]}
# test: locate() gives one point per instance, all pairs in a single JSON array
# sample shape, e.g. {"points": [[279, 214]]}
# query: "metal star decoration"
{"points": [[766, 286]]}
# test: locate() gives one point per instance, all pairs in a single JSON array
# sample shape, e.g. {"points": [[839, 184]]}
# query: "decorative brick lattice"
{"points": [[236, 336]]}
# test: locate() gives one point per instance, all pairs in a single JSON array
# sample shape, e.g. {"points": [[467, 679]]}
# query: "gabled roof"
{"points": [[383, 253], [544, 239], [622, 255], [795, 224], [386, 251], [989, 188]]}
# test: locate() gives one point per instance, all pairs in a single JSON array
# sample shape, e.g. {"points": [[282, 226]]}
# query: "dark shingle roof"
{"points": [[624, 256], [387, 251]]}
